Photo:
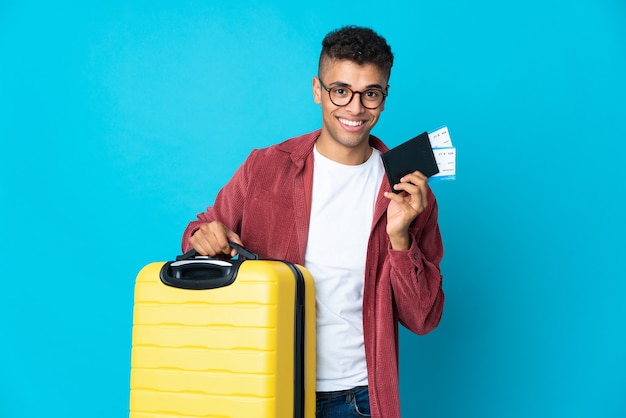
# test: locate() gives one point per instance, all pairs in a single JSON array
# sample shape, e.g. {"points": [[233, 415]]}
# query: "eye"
{"points": [[340, 91], [373, 94]]}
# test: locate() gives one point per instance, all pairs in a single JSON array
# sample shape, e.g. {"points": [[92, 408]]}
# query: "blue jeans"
{"points": [[349, 403]]}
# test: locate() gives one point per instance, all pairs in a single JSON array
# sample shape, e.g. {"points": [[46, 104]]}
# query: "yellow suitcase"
{"points": [[215, 338]]}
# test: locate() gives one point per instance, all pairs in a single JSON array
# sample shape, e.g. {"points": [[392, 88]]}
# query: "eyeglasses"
{"points": [[342, 96]]}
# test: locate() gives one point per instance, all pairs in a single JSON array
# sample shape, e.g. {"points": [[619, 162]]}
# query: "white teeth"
{"points": [[350, 122]]}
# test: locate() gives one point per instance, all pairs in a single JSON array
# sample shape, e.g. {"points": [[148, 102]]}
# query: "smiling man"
{"points": [[321, 200]]}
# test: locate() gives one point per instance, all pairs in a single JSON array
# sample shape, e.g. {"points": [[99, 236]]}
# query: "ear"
{"points": [[317, 90]]}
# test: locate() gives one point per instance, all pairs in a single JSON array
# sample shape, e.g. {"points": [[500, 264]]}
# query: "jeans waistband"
{"points": [[339, 393]]}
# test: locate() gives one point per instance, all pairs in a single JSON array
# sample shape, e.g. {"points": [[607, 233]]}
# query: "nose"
{"points": [[355, 105]]}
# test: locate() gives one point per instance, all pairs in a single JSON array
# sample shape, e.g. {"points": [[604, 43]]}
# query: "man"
{"points": [[321, 200]]}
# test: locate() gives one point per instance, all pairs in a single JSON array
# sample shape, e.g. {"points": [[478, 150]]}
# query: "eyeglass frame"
{"points": [[352, 95]]}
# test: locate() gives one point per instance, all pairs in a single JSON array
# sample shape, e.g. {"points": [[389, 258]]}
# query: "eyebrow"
{"points": [[342, 84]]}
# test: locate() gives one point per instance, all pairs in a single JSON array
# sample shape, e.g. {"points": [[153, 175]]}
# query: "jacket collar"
{"points": [[301, 147]]}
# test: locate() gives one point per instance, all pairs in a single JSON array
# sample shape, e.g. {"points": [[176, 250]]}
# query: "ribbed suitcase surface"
{"points": [[223, 352]]}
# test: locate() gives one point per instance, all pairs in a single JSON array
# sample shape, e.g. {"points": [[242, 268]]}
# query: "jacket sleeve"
{"points": [[416, 277], [228, 206]]}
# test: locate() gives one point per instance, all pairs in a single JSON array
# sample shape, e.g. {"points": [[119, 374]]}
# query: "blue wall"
{"points": [[119, 123]]}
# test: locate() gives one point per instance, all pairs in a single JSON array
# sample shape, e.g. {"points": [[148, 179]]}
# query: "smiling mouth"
{"points": [[352, 123]]}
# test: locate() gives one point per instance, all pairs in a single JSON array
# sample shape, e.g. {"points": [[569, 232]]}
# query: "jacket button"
{"points": [[414, 256]]}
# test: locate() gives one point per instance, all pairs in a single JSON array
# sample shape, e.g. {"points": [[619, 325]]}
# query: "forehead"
{"points": [[352, 74]]}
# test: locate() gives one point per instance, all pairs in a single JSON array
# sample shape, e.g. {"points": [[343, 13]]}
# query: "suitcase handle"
{"points": [[196, 272], [241, 252]]}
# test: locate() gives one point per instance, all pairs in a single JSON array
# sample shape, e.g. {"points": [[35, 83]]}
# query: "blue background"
{"points": [[120, 122]]}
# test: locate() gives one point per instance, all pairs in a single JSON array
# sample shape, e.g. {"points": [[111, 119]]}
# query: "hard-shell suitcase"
{"points": [[215, 338]]}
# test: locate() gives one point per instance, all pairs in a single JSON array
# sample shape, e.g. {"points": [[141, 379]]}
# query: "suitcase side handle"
{"points": [[196, 272], [199, 273]]}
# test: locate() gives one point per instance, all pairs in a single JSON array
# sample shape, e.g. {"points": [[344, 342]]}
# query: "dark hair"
{"points": [[359, 45]]}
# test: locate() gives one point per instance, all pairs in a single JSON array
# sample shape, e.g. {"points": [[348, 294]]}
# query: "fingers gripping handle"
{"points": [[241, 252]]}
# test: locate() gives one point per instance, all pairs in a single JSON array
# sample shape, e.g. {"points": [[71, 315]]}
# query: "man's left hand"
{"points": [[404, 207]]}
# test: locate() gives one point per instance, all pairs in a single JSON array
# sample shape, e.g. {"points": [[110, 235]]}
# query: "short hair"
{"points": [[359, 45]]}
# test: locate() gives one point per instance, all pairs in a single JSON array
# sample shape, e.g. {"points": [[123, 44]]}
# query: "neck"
{"points": [[343, 154]]}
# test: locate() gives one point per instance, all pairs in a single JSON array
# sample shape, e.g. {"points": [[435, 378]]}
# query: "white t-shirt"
{"points": [[342, 209]]}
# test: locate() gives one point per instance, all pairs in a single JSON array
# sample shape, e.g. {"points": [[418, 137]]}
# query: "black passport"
{"points": [[414, 154]]}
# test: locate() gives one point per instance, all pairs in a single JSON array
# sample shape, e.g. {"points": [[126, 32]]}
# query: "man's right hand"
{"points": [[213, 239]]}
